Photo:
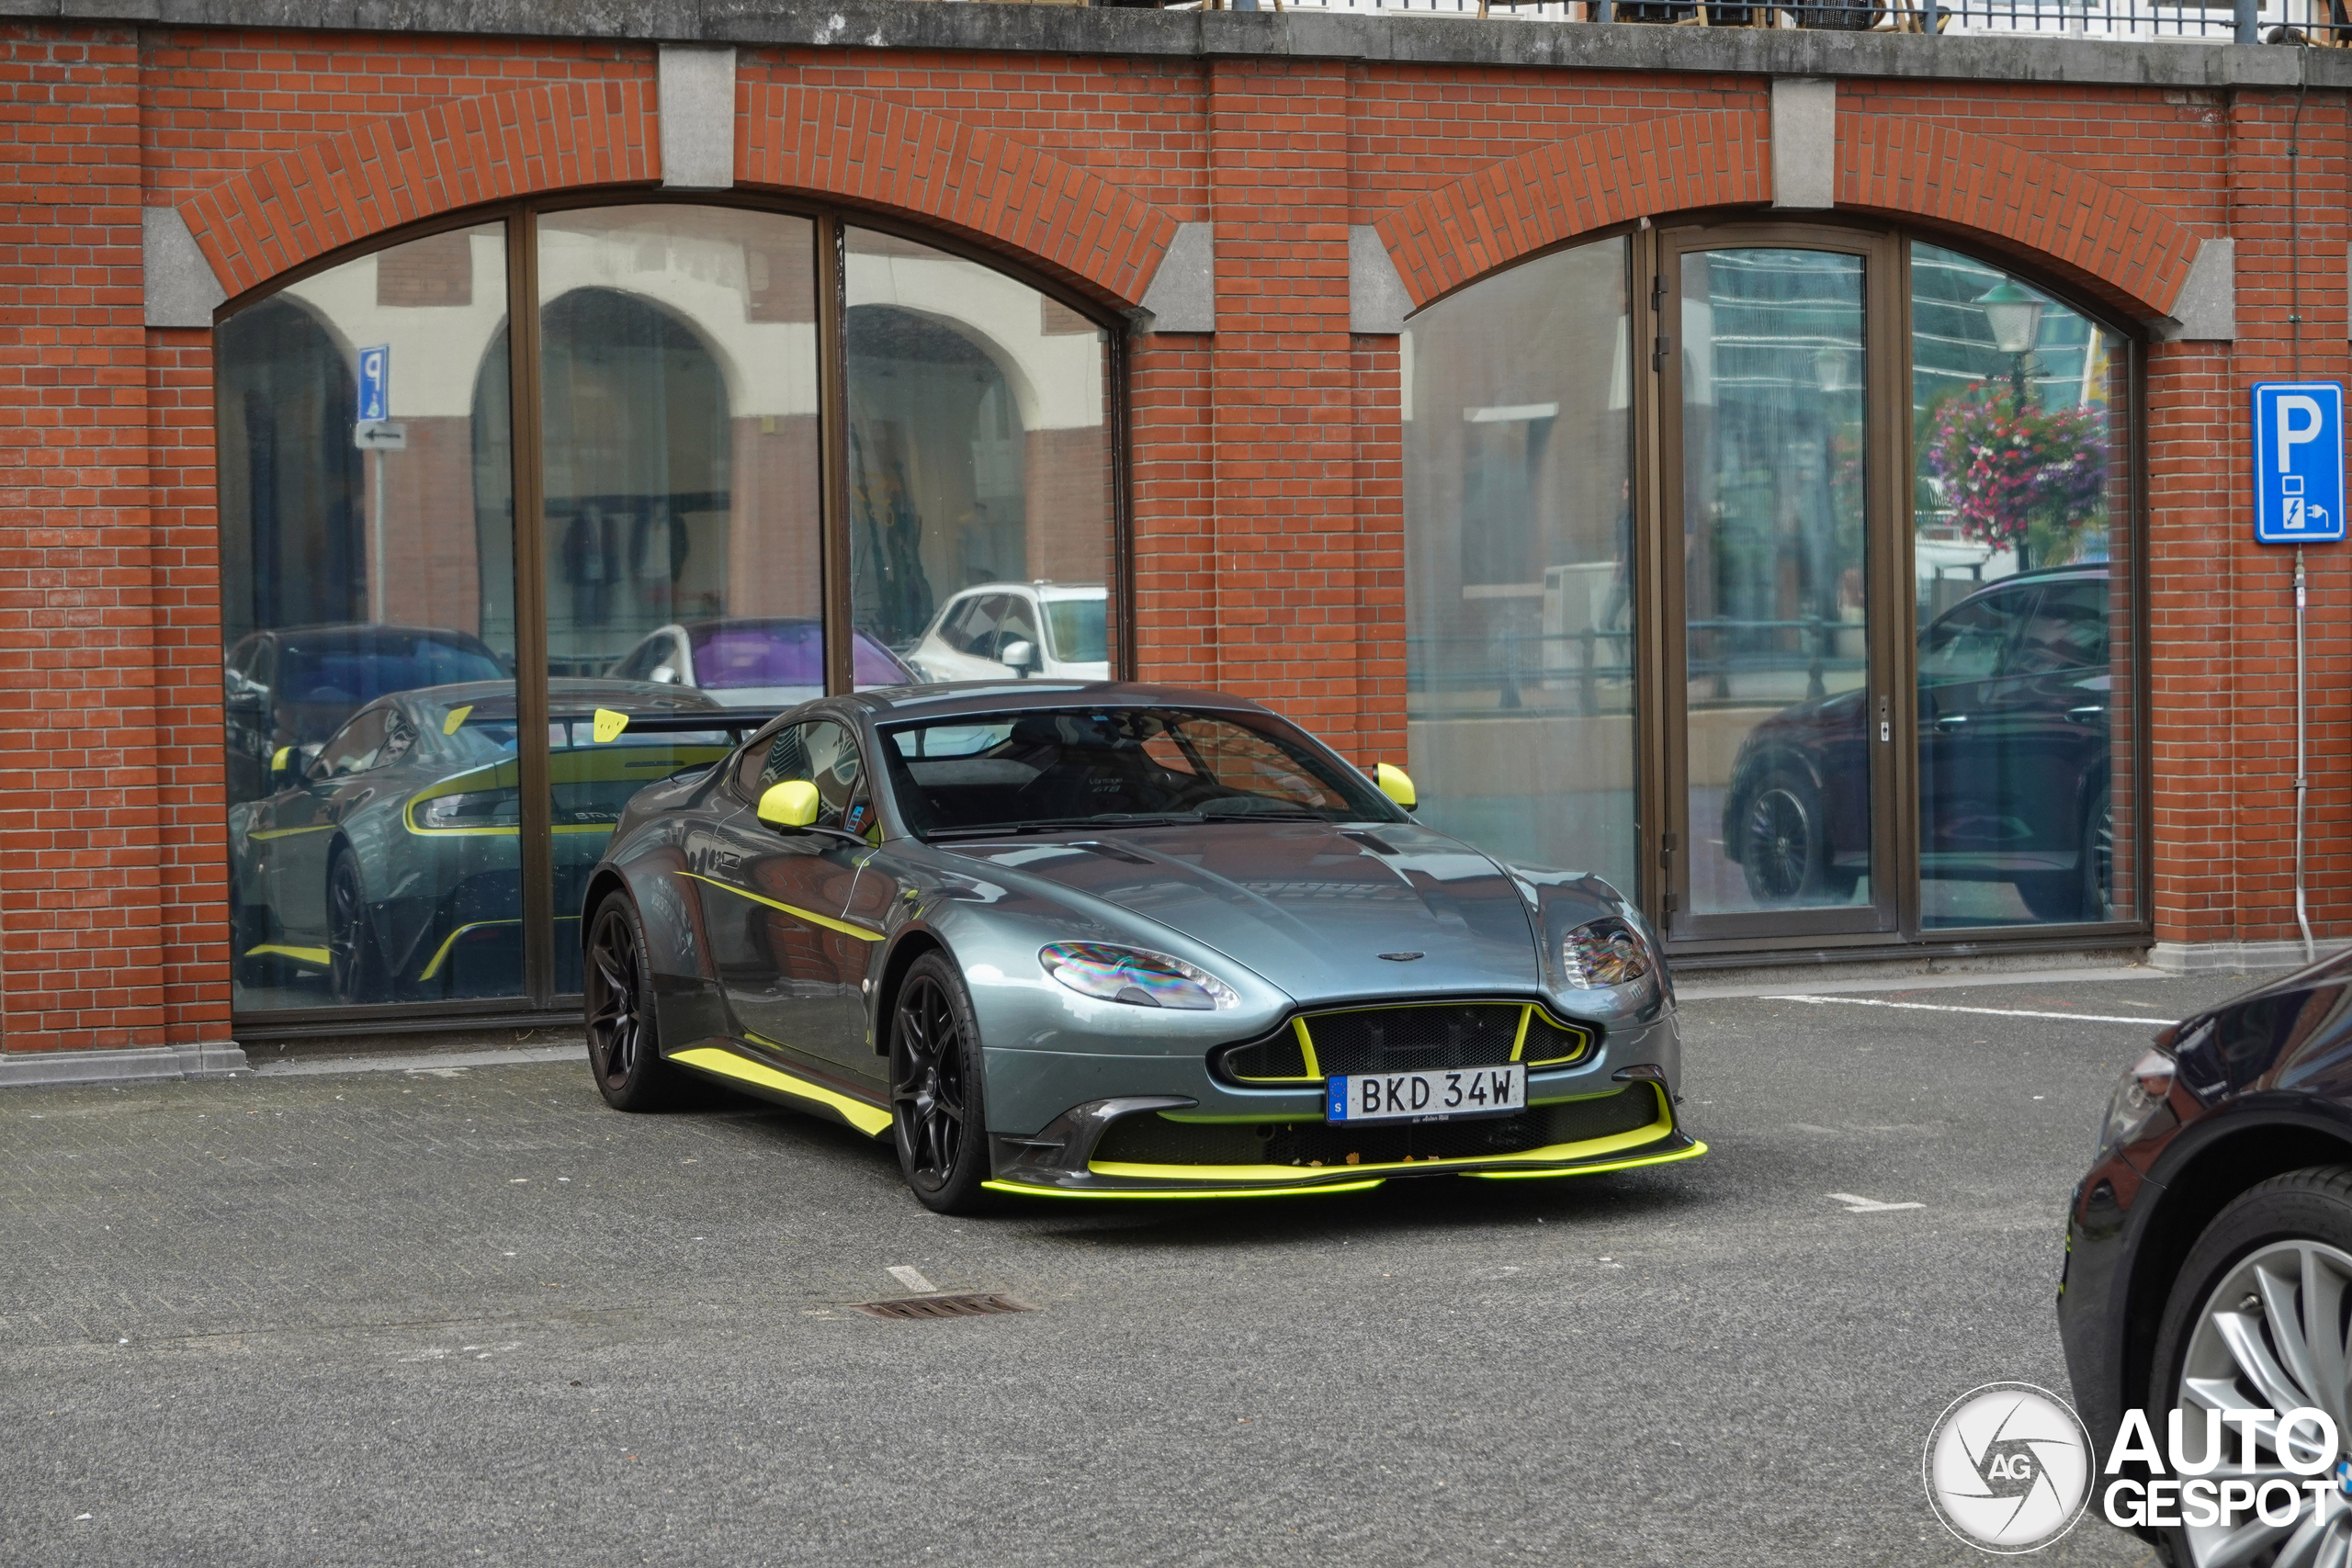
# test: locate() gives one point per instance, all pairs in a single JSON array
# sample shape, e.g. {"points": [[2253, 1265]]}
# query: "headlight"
{"points": [[1600, 954], [1130, 975], [470, 808], [2139, 1099]]}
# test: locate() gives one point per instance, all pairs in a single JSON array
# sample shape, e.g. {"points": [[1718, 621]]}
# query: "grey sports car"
{"points": [[1102, 941]]}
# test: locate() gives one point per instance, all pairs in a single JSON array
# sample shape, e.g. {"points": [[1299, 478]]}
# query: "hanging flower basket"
{"points": [[2017, 478]]}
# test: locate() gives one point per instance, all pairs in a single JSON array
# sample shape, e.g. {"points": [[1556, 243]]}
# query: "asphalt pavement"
{"points": [[459, 1312]]}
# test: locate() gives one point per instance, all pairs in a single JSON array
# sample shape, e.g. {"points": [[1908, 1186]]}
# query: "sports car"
{"points": [[387, 862], [1088, 940]]}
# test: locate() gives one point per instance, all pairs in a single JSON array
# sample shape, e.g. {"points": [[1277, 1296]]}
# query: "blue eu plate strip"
{"points": [[1339, 1099]]}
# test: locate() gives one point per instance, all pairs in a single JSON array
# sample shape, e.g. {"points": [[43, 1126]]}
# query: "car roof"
{"points": [[567, 697], [326, 633], [958, 698]]}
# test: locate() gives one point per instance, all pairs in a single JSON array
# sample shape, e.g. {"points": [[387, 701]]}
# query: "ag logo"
{"points": [[2009, 1468]]}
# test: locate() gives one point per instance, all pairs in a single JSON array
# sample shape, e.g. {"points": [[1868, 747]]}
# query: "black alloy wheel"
{"points": [[616, 997], [1785, 848], [936, 1118], [355, 964]]}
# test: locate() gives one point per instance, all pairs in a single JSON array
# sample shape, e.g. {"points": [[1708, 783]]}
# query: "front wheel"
{"points": [[616, 996], [2257, 1322], [355, 960], [936, 1117]]}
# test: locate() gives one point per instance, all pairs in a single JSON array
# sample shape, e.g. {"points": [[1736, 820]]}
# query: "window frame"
{"points": [[538, 1001]]}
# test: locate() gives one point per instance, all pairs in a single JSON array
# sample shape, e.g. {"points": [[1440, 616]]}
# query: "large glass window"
{"points": [[367, 592], [1518, 581], [379, 728], [2023, 582], [979, 466]]}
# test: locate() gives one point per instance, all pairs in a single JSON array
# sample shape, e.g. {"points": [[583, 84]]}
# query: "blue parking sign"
{"points": [[375, 382], [2298, 462]]}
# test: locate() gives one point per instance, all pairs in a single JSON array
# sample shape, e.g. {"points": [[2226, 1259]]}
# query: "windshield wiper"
{"points": [[1207, 816], [1060, 825]]}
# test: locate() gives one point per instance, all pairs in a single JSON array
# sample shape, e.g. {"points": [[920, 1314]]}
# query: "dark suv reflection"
{"points": [[2014, 785]]}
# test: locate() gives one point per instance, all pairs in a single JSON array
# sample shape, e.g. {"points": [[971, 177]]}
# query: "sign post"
{"points": [[2298, 501], [375, 434]]}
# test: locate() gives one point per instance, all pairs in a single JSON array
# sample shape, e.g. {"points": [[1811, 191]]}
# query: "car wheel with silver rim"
{"points": [[2257, 1322]]}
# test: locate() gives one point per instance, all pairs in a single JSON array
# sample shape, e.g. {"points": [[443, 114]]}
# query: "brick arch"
{"points": [[2118, 246], [1009, 195], [286, 210]]}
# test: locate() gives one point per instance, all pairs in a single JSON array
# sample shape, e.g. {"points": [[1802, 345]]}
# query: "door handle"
{"points": [[2085, 714], [1951, 721]]}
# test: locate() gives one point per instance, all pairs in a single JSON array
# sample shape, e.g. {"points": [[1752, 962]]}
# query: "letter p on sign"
{"points": [[2299, 462]]}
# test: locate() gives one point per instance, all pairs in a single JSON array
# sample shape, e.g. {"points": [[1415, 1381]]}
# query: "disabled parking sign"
{"points": [[2298, 462]]}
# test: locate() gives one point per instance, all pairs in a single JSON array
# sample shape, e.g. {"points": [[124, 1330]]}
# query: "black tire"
{"points": [[938, 1120], [249, 927], [355, 959], [1784, 843], [623, 1026], [2302, 1208]]}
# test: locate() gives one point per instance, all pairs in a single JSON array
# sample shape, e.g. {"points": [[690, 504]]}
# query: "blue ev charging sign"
{"points": [[2298, 462]]}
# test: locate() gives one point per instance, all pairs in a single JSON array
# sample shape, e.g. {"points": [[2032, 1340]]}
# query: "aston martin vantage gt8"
{"points": [[1087, 940]]}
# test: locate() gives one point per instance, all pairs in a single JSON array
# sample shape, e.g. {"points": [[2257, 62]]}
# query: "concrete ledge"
{"points": [[2222, 957], [1300, 35], [144, 1063], [1830, 971]]}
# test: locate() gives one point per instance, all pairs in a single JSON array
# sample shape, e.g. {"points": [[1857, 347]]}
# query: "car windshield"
{"points": [[1077, 629], [1098, 767], [783, 653]]}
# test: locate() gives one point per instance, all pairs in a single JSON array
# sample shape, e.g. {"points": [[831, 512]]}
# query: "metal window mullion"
{"points": [[536, 844], [832, 461]]}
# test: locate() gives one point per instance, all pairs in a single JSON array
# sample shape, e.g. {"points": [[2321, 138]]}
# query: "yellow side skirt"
{"points": [[317, 955], [871, 1120]]}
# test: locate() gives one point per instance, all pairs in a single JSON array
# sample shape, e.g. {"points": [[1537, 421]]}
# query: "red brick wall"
{"points": [[1265, 458]]}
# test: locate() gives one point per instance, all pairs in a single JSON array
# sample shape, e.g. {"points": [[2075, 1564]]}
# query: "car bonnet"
{"points": [[1320, 911]]}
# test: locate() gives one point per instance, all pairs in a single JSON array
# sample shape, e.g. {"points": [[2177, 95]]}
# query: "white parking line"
{"points": [[1870, 1205], [909, 1276], [1995, 1012]]}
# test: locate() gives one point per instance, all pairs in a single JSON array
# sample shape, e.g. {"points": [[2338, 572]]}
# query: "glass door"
{"points": [[1778, 719]]}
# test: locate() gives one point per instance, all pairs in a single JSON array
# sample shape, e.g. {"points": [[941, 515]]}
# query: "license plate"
{"points": [[1445, 1096]]}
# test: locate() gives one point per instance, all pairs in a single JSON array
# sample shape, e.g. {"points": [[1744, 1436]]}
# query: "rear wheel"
{"points": [[1784, 843], [616, 992], [355, 962], [936, 1115], [2257, 1321]]}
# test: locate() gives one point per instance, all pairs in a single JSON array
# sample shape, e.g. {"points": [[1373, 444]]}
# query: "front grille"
{"points": [[1154, 1139], [1425, 1036]]}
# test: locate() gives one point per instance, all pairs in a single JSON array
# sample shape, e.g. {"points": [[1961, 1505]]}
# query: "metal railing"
{"points": [[1521, 668], [2320, 22]]}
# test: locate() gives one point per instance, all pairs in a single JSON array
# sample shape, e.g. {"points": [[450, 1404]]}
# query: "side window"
{"points": [[977, 634], [821, 752], [1019, 624], [2066, 631], [641, 661], [1969, 641], [400, 740], [354, 747]]}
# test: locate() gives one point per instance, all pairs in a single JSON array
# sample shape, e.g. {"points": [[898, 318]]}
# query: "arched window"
{"points": [[1784, 577], [415, 799]]}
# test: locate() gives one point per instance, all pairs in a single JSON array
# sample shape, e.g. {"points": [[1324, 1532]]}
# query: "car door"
{"points": [[776, 901], [1964, 765], [296, 827], [2054, 704]]}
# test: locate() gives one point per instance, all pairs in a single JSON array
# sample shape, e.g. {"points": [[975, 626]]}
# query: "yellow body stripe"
{"points": [[871, 1120], [1306, 1046], [1028, 1191], [1552, 1153], [291, 832], [811, 917], [319, 955], [435, 967]]}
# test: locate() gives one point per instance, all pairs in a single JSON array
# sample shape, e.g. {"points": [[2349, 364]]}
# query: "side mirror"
{"points": [[1020, 655], [285, 768], [792, 804], [1395, 783]]}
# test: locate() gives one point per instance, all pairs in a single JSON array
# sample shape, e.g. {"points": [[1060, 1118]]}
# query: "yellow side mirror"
{"points": [[792, 804], [1395, 783]]}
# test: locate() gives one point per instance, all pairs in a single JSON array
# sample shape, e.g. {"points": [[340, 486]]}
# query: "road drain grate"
{"points": [[926, 1307]]}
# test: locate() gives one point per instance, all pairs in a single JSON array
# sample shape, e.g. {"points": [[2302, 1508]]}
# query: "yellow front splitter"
{"points": [[1352, 1181]]}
